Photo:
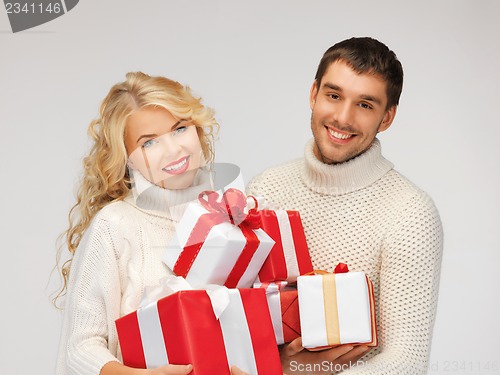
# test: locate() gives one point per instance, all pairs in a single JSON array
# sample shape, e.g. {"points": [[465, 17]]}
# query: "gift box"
{"points": [[284, 309], [336, 309], [182, 328], [289, 256], [216, 242]]}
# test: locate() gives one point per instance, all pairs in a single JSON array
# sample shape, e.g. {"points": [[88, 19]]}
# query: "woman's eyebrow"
{"points": [[156, 135], [146, 136], [176, 124]]}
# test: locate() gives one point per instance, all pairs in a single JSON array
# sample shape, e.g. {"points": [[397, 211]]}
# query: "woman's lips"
{"points": [[177, 167]]}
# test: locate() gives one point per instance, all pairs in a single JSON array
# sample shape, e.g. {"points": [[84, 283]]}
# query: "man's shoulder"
{"points": [[279, 174], [406, 192]]}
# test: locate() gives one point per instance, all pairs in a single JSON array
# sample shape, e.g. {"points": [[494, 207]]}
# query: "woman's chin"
{"points": [[179, 182]]}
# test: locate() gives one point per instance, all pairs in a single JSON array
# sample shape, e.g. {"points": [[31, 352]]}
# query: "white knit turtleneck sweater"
{"points": [[119, 255], [364, 213]]}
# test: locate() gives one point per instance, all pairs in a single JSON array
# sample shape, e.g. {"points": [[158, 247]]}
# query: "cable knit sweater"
{"points": [[364, 213], [119, 255]]}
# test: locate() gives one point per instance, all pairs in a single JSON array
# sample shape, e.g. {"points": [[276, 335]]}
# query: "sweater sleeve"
{"points": [[93, 300], [409, 283]]}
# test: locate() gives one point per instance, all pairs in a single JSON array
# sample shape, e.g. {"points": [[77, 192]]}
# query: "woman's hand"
{"points": [[115, 368], [297, 360], [171, 370]]}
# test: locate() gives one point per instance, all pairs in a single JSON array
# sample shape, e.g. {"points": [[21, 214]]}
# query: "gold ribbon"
{"points": [[331, 309]]}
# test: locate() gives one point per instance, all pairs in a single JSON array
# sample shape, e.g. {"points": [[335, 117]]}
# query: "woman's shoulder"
{"points": [[115, 210], [118, 215]]}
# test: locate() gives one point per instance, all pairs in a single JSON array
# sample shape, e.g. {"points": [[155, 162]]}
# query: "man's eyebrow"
{"points": [[332, 86], [368, 98]]}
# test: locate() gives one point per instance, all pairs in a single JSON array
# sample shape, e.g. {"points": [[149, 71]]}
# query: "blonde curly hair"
{"points": [[105, 176]]}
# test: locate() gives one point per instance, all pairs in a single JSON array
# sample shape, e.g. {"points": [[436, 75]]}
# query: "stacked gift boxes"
{"points": [[218, 241]]}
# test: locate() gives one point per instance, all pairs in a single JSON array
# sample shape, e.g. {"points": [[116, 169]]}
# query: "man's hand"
{"points": [[236, 371], [297, 360]]}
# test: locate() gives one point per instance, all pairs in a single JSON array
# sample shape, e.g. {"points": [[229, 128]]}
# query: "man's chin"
{"points": [[328, 155]]}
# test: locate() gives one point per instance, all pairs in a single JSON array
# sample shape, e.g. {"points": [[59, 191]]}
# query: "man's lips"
{"points": [[338, 136], [177, 167]]}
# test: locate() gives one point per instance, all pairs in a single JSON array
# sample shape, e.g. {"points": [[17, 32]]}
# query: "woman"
{"points": [[151, 142]]}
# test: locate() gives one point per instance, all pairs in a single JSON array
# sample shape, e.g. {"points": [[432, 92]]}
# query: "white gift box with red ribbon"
{"points": [[216, 242], [336, 309], [211, 329]]}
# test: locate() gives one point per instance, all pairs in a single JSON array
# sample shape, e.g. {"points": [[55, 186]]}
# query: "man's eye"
{"points": [[149, 143], [334, 96], [365, 106]]}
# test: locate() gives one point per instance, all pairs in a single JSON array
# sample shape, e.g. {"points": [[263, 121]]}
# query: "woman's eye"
{"points": [[149, 143], [180, 129]]}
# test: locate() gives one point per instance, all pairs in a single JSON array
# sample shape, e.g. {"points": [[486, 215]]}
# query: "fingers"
{"points": [[236, 371], [176, 370], [354, 355], [340, 350], [289, 350]]}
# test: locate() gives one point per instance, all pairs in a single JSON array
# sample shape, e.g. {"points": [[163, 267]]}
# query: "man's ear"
{"points": [[388, 118], [313, 94]]}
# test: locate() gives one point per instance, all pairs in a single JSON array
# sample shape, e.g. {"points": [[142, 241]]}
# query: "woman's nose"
{"points": [[170, 143]]}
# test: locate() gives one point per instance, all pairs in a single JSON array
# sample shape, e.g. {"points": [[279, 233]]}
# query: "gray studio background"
{"points": [[254, 62]]}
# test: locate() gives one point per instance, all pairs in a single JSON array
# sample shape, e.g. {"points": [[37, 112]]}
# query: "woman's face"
{"points": [[166, 150]]}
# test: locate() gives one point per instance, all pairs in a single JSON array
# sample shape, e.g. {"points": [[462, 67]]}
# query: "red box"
{"points": [[289, 256], [284, 308], [182, 328], [290, 315]]}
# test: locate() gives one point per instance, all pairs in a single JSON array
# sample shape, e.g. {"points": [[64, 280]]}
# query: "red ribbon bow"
{"points": [[341, 268], [231, 208], [232, 205]]}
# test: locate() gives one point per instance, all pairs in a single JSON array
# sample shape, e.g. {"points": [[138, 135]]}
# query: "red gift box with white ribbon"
{"points": [[218, 242], [284, 308], [289, 256], [183, 328]]}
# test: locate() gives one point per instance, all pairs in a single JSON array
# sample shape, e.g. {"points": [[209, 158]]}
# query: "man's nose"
{"points": [[344, 113]]}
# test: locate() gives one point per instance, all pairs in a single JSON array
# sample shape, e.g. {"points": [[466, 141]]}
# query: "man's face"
{"points": [[166, 150], [348, 110]]}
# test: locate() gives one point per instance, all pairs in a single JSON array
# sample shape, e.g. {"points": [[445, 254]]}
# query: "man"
{"points": [[358, 210]]}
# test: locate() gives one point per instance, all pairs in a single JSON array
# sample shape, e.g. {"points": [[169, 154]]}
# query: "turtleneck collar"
{"points": [[158, 201], [343, 178], [155, 200]]}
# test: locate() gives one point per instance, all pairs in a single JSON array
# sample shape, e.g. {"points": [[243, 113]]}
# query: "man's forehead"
{"points": [[340, 76]]}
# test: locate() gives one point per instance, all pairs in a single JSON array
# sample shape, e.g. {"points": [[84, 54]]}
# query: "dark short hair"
{"points": [[366, 55]]}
